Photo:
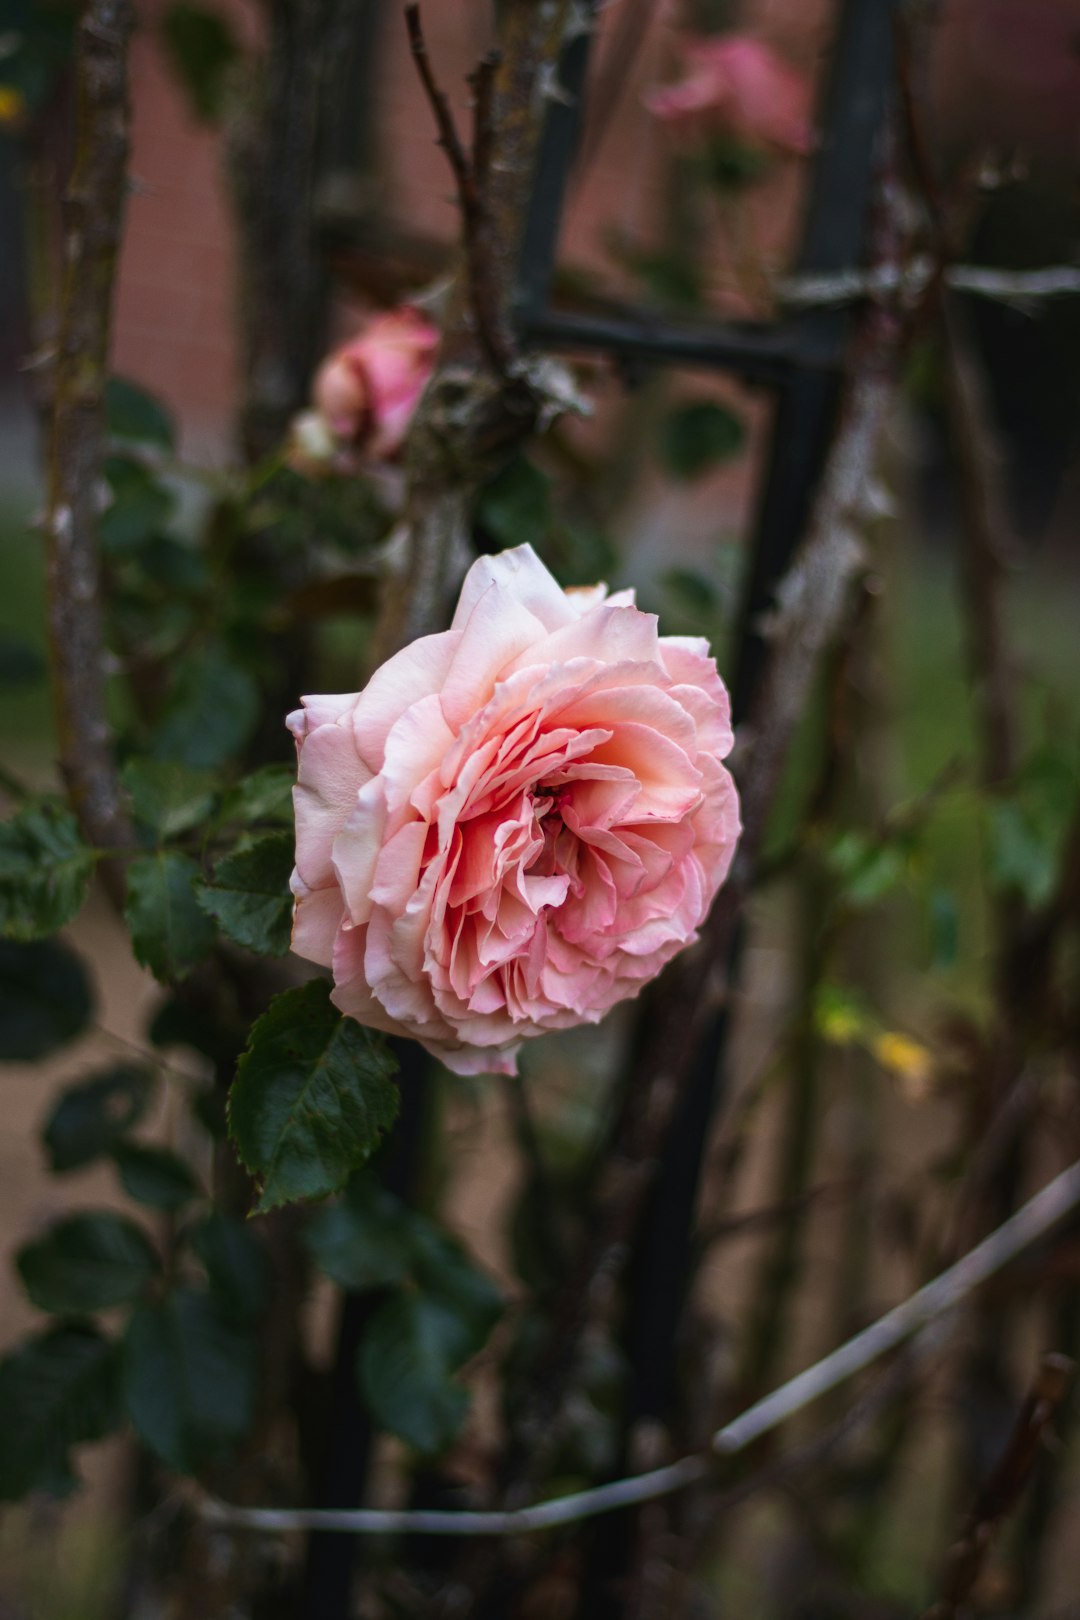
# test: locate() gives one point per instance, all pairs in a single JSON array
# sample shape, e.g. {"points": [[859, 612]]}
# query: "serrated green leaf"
{"points": [[168, 798], [155, 1176], [264, 795], [249, 896], [45, 999], [87, 1262], [190, 1379], [406, 1368], [202, 48], [312, 1096], [94, 1114], [698, 436], [237, 1266], [516, 506], [132, 413], [211, 713], [170, 932], [57, 1390], [45, 870], [365, 1241]]}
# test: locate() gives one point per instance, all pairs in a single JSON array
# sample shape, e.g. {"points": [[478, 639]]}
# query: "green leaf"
{"points": [[406, 1368], [45, 870], [698, 436], [168, 798], [249, 896], [169, 931], [365, 1241], [57, 1390], [211, 713], [264, 795], [313, 1094], [516, 506], [190, 1379], [132, 413], [201, 48], [89, 1118], [45, 999], [87, 1262], [140, 509], [868, 868], [444, 1271], [20, 663], [154, 1175], [237, 1266]]}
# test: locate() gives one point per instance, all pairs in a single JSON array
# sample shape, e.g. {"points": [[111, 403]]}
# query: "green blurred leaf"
{"points": [[868, 868], [264, 795], [698, 436], [168, 798], [45, 999], [366, 1240], [132, 413], [87, 1262], [190, 1379], [20, 663], [90, 1117], [211, 713], [140, 509], [312, 1096], [445, 1272], [516, 507], [237, 1266], [155, 1176], [45, 870], [406, 1370], [57, 1390], [945, 924], [249, 896], [201, 48], [169, 931]]}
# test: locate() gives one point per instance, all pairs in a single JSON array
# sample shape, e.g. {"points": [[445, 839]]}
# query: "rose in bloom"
{"points": [[517, 822], [366, 392], [737, 86]]}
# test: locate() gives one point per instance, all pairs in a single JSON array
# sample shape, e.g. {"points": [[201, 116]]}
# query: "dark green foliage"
{"points": [[132, 413], [90, 1117], [516, 507], [87, 1262], [45, 999], [312, 1096], [236, 1264], [211, 713], [57, 1390], [170, 933], [697, 436], [248, 896], [168, 799], [264, 795], [406, 1371], [45, 870], [20, 663], [190, 1378], [201, 48], [365, 1241], [154, 1176], [140, 509]]}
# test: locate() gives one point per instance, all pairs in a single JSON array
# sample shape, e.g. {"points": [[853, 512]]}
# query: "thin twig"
{"points": [[967, 1556], [1020, 287], [93, 219], [470, 177], [930, 1303]]}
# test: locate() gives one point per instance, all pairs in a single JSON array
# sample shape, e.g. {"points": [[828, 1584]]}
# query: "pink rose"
{"points": [[517, 822], [366, 391], [737, 86]]}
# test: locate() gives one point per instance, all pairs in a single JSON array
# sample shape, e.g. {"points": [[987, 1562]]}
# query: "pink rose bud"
{"points": [[737, 86], [517, 822], [368, 390]]}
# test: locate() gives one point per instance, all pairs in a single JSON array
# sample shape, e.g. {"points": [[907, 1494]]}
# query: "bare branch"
{"points": [[93, 220], [967, 1556], [927, 1306], [1020, 287]]}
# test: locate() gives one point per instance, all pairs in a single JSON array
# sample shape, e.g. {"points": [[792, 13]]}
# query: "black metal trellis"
{"points": [[801, 358]]}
